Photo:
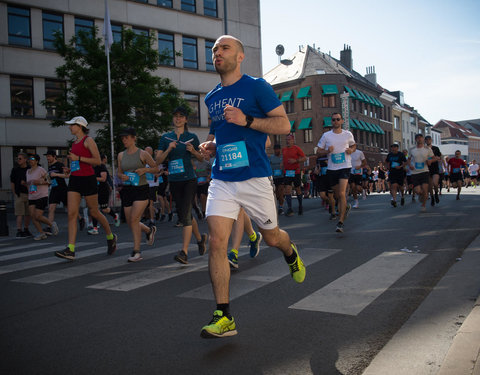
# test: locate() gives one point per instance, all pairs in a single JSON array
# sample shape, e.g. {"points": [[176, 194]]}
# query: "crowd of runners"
{"points": [[229, 179]]}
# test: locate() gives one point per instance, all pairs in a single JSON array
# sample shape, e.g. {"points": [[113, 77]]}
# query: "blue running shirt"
{"points": [[255, 97]]}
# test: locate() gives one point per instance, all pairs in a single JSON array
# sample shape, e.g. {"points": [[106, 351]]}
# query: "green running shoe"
{"points": [[233, 258], [220, 326], [297, 268]]}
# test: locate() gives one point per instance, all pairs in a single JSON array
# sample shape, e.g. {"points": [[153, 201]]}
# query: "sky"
{"points": [[429, 49]]}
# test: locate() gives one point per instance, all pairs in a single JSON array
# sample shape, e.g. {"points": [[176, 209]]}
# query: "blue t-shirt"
{"points": [[180, 166], [255, 97]]}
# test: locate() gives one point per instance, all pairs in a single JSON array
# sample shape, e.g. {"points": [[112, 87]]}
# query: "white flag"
{"points": [[107, 30]]}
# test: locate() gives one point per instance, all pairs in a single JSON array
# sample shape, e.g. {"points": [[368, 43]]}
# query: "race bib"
{"points": [[357, 171], [474, 173], [290, 173], [395, 164], [324, 171], [53, 182], [338, 158], [277, 172], [456, 170], [419, 165], [176, 166], [74, 166], [232, 155], [201, 180], [32, 189], [133, 179], [160, 179], [149, 176]]}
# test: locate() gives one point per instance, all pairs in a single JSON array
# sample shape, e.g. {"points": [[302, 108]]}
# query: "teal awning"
{"points": [[306, 123], [359, 96], [379, 103], [369, 98], [352, 125], [378, 129], [373, 127], [367, 127], [327, 121], [304, 93], [329, 89], [359, 125], [287, 96], [292, 127], [350, 91]]}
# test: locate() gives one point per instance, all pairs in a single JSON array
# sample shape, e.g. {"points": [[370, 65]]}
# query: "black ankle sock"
{"points": [[291, 258], [225, 308], [112, 213]]}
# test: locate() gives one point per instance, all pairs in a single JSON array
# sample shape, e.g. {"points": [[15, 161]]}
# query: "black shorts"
{"points": [[297, 181], [183, 193], [162, 188], [433, 169], [420, 178], [152, 193], [409, 180], [130, 194], [335, 175], [202, 189], [103, 196], [355, 179], [84, 185], [40, 203], [58, 195], [455, 177], [322, 184], [396, 178], [278, 181]]}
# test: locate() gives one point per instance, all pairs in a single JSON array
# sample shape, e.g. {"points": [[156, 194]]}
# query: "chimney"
{"points": [[371, 75], [346, 57]]}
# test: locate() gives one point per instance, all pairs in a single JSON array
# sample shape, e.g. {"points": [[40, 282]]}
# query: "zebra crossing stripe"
{"points": [[155, 275], [354, 291], [25, 245], [52, 259], [85, 269], [259, 276]]}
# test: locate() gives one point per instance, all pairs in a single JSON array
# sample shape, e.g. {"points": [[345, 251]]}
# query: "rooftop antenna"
{"points": [[280, 50]]}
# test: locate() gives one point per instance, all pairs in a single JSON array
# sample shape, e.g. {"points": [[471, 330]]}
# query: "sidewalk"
{"points": [[431, 342]]}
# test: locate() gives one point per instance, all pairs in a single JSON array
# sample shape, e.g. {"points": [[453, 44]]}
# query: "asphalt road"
{"points": [[101, 315]]}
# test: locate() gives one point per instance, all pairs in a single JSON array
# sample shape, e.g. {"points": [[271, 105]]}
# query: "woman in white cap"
{"points": [[37, 184], [83, 182], [132, 171]]}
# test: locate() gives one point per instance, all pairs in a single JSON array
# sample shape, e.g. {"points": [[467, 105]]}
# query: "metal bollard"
{"points": [[3, 219]]}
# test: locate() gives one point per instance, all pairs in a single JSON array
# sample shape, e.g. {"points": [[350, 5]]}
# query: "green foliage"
{"points": [[140, 99]]}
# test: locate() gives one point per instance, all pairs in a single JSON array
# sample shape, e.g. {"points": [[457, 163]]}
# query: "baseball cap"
{"points": [[394, 144], [428, 137], [418, 135], [128, 131], [78, 120], [182, 110], [51, 153]]}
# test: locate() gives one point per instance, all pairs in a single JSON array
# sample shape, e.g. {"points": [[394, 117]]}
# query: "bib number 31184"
{"points": [[232, 155]]}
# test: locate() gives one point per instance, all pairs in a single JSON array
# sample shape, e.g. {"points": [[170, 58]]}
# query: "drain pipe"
{"points": [[225, 16]]}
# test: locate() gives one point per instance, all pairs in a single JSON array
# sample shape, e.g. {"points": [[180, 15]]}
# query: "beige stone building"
{"points": [[27, 61]]}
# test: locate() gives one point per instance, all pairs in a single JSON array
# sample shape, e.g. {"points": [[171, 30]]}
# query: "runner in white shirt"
{"points": [[420, 158], [473, 171], [356, 178], [339, 144]]}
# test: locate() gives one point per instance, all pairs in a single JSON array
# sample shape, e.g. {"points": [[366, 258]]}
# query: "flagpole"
{"points": [[108, 40]]}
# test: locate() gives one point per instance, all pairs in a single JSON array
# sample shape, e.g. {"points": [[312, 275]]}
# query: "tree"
{"points": [[139, 99]]}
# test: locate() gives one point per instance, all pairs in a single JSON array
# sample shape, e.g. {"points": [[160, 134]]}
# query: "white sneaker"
{"points": [[135, 257], [54, 228], [364, 195], [93, 231], [355, 203], [40, 236]]}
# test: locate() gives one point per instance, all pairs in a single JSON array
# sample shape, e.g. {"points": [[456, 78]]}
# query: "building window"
{"points": [[19, 27], [52, 24], [328, 101], [276, 139], [166, 49], [53, 91], [193, 101], [165, 3], [307, 136], [361, 137], [396, 123], [289, 106], [190, 59], [354, 105], [140, 32], [210, 8], [365, 112], [82, 25], [307, 103], [21, 96], [117, 33], [189, 6], [208, 55]]}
